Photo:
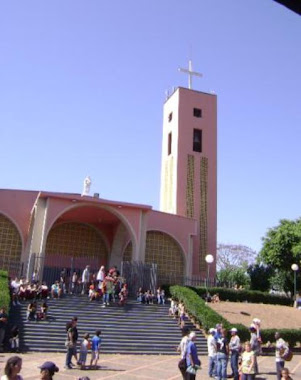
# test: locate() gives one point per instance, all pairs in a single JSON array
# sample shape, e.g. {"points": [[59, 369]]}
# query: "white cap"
{"points": [[212, 330], [234, 329]]}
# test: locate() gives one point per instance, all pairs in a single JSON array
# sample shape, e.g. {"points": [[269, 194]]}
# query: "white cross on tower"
{"points": [[190, 73]]}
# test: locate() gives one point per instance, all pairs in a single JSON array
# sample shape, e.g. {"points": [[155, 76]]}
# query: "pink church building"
{"points": [[46, 231]]}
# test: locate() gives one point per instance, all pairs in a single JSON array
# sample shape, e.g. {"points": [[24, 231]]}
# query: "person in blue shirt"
{"points": [[95, 348], [192, 360]]}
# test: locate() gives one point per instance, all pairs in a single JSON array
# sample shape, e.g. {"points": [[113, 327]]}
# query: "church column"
{"points": [[139, 255], [118, 243], [38, 238]]}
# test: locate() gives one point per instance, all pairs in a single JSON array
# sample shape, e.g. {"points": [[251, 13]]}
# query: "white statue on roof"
{"points": [[87, 186]]}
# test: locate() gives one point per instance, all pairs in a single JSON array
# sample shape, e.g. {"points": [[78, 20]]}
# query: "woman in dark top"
{"points": [[222, 355]]}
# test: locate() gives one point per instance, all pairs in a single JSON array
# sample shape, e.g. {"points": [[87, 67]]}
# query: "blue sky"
{"points": [[82, 86]]}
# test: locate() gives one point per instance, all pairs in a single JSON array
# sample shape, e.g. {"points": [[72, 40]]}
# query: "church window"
{"points": [[169, 143], [170, 117], [197, 140], [197, 112]]}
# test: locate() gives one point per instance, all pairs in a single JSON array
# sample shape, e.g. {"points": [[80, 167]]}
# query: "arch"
{"points": [[10, 245], [121, 217], [99, 232], [81, 241], [127, 254], [162, 249]]}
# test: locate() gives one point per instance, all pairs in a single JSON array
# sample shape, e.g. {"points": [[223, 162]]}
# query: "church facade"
{"points": [[63, 230]]}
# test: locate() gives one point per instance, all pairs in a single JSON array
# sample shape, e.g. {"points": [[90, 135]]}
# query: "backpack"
{"points": [[288, 356]]}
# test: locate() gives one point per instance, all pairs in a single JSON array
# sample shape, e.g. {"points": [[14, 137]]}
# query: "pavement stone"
{"points": [[134, 367]]}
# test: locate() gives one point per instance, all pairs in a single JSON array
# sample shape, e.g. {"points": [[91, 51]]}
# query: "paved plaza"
{"points": [[132, 367]]}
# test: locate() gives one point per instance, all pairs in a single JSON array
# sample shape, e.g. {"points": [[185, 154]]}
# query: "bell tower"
{"points": [[189, 166]]}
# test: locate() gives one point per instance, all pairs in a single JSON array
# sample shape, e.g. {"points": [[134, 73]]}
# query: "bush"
{"points": [[252, 296], [289, 335], [203, 314], [207, 318], [4, 290]]}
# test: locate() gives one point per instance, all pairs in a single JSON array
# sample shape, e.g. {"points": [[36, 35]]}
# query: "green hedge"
{"points": [[207, 318], [4, 290], [252, 296]]}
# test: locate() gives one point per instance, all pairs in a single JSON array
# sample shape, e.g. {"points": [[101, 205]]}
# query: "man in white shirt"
{"points": [[211, 345], [86, 279]]}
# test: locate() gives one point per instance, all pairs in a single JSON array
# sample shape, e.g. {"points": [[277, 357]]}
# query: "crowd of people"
{"points": [[148, 297], [227, 351], [224, 348], [86, 344]]}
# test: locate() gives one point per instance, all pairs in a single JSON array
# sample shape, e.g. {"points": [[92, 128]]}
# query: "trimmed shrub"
{"points": [[207, 318], [289, 335], [252, 296], [4, 290], [203, 314]]}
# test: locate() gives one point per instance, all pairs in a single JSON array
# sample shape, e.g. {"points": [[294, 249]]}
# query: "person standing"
{"points": [[85, 345], [12, 368], [63, 278], [182, 347], [211, 346], [280, 351], [74, 280], [72, 336], [3, 324], [247, 367], [192, 360], [222, 355], [255, 345], [234, 347], [101, 274], [86, 279], [96, 342]]}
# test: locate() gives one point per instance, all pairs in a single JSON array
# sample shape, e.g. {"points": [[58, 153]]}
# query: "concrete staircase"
{"points": [[132, 329]]}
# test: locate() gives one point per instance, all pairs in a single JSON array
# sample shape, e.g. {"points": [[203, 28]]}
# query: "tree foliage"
{"points": [[233, 276], [231, 255], [282, 248], [260, 277]]}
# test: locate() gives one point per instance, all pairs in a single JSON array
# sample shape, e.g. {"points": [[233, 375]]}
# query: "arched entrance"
{"points": [[10, 246], [78, 240], [164, 251], [81, 235]]}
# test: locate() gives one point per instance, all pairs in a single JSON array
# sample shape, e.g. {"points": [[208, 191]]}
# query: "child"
{"points": [[31, 311], [93, 295], [84, 347], [96, 342], [285, 375], [44, 309], [123, 295], [14, 340]]}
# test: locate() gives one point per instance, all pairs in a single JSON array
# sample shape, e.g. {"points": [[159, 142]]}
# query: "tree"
{"points": [[233, 276], [232, 263], [260, 277], [282, 248], [237, 256]]}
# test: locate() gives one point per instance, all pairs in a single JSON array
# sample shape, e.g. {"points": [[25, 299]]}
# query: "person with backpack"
{"points": [[182, 349]]}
